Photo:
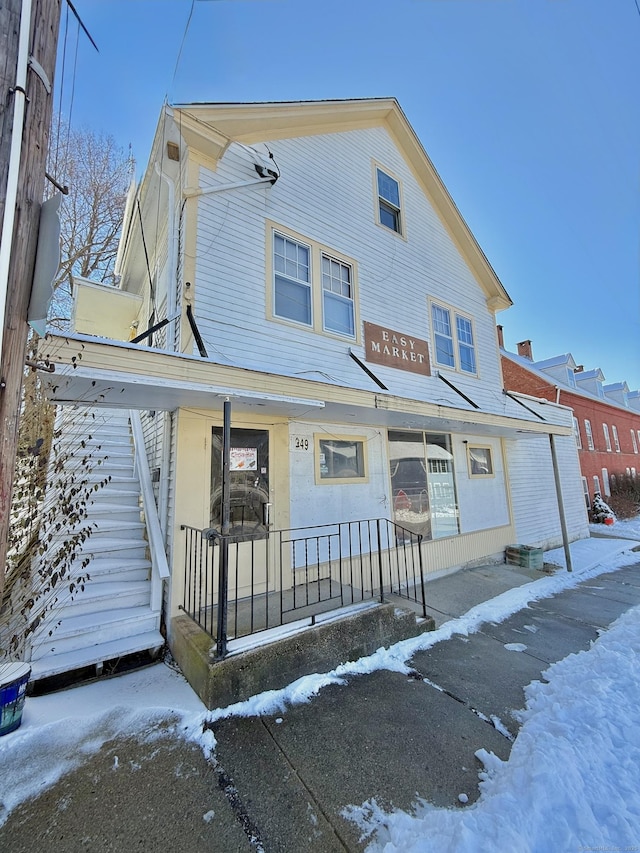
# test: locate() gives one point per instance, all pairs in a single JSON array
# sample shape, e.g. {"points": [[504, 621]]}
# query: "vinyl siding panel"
{"points": [[533, 491], [326, 194]]}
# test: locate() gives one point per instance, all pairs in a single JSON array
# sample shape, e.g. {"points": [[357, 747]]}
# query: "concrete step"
{"points": [[76, 632], [96, 654]]}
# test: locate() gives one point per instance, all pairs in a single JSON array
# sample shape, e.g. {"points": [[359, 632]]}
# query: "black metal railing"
{"points": [[237, 585]]}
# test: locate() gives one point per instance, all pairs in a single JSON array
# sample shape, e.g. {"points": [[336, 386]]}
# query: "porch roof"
{"points": [[103, 372]]}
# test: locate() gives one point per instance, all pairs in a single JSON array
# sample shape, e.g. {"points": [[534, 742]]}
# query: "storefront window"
{"points": [[422, 483], [340, 459]]}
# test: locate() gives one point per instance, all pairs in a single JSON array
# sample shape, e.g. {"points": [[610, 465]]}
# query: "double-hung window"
{"points": [[616, 440], [292, 286], [311, 285], [337, 296], [607, 440], [634, 442], [589, 433], [453, 338], [389, 206], [576, 432]]}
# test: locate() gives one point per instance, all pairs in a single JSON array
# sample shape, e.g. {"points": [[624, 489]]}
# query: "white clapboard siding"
{"points": [[102, 610], [326, 194], [533, 491]]}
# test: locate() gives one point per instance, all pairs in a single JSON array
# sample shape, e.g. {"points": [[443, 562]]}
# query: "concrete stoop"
{"points": [[277, 662]]}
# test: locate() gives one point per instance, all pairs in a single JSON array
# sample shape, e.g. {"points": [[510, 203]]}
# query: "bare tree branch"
{"points": [[98, 174]]}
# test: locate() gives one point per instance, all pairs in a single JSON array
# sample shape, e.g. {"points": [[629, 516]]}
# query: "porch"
{"points": [[243, 584]]}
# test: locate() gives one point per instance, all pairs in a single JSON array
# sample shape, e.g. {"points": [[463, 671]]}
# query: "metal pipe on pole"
{"points": [[223, 565]]}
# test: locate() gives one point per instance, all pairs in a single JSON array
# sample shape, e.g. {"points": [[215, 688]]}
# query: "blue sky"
{"points": [[529, 109]]}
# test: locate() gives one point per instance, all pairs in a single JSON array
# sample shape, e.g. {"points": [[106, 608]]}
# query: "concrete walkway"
{"points": [[280, 783]]}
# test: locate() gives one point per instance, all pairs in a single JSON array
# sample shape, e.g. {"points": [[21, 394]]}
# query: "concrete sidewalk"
{"points": [[281, 783]]}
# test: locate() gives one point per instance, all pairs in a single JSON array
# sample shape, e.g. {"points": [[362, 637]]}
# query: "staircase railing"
{"points": [[282, 576], [159, 564]]}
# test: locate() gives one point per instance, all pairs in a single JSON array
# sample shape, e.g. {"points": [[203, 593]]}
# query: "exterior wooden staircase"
{"points": [[109, 605]]}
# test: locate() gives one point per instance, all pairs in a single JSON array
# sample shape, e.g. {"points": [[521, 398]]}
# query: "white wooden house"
{"points": [[314, 272]]}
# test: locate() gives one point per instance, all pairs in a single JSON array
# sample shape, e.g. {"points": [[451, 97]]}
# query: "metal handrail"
{"points": [[295, 576]]}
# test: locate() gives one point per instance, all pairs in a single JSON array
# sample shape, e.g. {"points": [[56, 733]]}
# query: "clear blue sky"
{"points": [[529, 109]]}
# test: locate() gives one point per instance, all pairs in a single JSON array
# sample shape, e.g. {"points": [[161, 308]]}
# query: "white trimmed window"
{"points": [[607, 440], [616, 440], [605, 482], [311, 286], [453, 339], [576, 432], [292, 280], [634, 442], [389, 202], [337, 297], [596, 485], [585, 489], [589, 433]]}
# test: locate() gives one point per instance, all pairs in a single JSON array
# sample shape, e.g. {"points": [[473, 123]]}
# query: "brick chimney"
{"points": [[500, 331], [524, 349]]}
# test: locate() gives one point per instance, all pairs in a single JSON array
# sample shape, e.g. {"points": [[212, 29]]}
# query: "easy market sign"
{"points": [[393, 349]]}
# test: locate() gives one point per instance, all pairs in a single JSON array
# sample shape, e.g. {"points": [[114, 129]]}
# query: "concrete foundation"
{"points": [[273, 665]]}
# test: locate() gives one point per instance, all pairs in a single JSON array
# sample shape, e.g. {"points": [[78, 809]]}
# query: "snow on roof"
{"points": [[556, 361]]}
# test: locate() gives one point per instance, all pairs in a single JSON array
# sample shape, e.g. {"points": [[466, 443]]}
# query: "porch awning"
{"points": [[93, 371]]}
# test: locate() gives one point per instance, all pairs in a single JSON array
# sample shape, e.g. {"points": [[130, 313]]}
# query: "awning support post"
{"points": [[563, 523]]}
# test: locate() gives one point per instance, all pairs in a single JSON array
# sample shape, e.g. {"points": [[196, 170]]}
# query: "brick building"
{"points": [[606, 418]]}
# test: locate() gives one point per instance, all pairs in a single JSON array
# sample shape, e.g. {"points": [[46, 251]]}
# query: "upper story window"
{"points": [[634, 442], [588, 433], [337, 296], [389, 202], [607, 440], [453, 338], [616, 440], [311, 286], [292, 280], [576, 432]]}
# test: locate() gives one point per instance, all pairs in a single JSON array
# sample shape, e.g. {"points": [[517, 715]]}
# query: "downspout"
{"points": [[563, 523], [171, 260], [19, 101], [163, 498]]}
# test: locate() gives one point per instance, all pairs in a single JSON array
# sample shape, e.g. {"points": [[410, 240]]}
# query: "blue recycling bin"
{"points": [[14, 678]]}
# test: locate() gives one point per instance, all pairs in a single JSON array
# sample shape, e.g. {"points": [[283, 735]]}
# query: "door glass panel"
{"points": [[409, 490], [423, 490], [249, 476]]}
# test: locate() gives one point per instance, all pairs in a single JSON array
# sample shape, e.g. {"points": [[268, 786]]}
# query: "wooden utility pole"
{"points": [[43, 43]]}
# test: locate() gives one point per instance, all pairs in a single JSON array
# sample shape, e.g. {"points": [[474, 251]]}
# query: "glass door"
{"points": [[249, 475]]}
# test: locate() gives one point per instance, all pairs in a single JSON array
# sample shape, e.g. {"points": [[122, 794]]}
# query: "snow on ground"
{"points": [[628, 527], [581, 725], [573, 775]]}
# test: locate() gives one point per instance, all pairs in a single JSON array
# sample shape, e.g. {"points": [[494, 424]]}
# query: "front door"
{"points": [[249, 476]]}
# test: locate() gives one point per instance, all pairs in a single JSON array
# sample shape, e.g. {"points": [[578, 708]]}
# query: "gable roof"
{"points": [[213, 126], [557, 361]]}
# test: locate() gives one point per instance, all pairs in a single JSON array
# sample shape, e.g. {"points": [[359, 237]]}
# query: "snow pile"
{"points": [[599, 711], [572, 778]]}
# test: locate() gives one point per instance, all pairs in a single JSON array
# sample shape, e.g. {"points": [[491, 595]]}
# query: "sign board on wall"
{"points": [[393, 349]]}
